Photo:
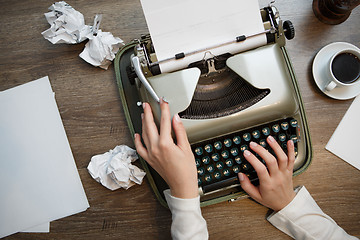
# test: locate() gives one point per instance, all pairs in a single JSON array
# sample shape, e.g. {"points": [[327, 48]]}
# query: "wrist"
{"points": [[184, 191]]}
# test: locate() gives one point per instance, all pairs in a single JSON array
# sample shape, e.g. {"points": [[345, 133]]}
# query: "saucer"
{"points": [[319, 71]]}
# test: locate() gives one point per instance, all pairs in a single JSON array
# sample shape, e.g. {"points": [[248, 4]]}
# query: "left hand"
{"points": [[174, 162]]}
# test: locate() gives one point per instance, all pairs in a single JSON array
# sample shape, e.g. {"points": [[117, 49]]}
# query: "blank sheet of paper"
{"points": [[344, 143], [187, 25], [39, 181]]}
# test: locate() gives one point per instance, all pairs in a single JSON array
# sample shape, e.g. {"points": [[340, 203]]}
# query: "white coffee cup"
{"points": [[343, 69]]}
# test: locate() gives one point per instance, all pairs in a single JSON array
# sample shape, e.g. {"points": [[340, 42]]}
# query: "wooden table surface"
{"points": [[94, 121]]}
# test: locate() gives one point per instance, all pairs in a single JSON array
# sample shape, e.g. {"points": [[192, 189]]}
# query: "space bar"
{"points": [[223, 184]]}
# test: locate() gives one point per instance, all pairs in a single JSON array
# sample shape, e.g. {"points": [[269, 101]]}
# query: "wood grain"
{"points": [[94, 121]]}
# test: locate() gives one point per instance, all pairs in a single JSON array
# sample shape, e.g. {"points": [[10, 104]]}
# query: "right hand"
{"points": [[276, 186]]}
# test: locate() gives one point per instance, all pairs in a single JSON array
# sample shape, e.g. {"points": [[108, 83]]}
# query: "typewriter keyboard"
{"points": [[219, 160]]}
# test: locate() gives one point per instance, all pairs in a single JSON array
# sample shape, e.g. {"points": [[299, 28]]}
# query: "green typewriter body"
{"points": [[225, 102]]}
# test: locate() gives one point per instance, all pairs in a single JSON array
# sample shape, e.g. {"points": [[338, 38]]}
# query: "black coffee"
{"points": [[346, 67]]}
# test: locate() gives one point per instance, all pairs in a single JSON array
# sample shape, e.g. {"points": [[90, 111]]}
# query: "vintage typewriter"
{"points": [[224, 101]]}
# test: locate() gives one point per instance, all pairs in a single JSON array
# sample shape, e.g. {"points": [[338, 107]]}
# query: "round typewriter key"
{"points": [[262, 142], [238, 160], [284, 126], [227, 142], [206, 160], [246, 167], [256, 134], [276, 128], [234, 151], [229, 162], [293, 122], [201, 171], [220, 165], [199, 182], [296, 151], [197, 162], [208, 148], [226, 172], [236, 169], [294, 138], [225, 154], [215, 157], [266, 131], [208, 178], [237, 140], [247, 137], [284, 146], [244, 147], [210, 168], [199, 151], [218, 145], [282, 137], [217, 175]]}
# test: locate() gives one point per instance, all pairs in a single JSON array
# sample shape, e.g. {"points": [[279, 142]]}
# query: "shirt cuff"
{"points": [[184, 204]]}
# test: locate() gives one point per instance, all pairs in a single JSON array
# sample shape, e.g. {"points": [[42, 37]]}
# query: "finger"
{"points": [[259, 167], [248, 187], [279, 152], [141, 150], [149, 127], [165, 122], [269, 159], [291, 155], [180, 132]]}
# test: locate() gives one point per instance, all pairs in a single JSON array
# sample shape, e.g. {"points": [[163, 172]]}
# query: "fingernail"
{"points": [[143, 105], [142, 115], [177, 118], [164, 100], [253, 144], [135, 135], [271, 139], [241, 177], [291, 143], [246, 153]]}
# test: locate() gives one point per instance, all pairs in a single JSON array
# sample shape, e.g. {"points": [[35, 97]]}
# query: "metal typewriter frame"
{"points": [[130, 97]]}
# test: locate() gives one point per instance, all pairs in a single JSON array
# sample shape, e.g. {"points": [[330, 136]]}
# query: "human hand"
{"points": [[276, 186], [174, 162]]}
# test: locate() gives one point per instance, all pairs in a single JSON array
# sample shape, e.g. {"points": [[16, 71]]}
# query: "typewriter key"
{"points": [[282, 137], [244, 147], [217, 175], [293, 122], [227, 142], [238, 160], [294, 138], [226, 172], [246, 167], [201, 171], [220, 165], [206, 160], [199, 151], [256, 134], [218, 145], [229, 162], [225, 154], [266, 131], [197, 161], [276, 128], [208, 178], [262, 142], [237, 140], [210, 168], [234, 151], [208, 148], [247, 137], [284, 126], [199, 182], [215, 157], [236, 169]]}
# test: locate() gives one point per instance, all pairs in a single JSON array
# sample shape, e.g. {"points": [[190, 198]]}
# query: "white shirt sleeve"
{"points": [[302, 218], [187, 221]]}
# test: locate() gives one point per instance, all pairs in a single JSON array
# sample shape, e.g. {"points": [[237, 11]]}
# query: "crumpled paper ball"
{"points": [[114, 170], [66, 25], [101, 49]]}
